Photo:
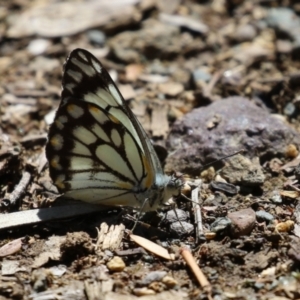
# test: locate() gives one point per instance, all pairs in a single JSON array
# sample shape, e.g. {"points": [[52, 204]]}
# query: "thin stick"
{"points": [[197, 212], [34, 216], [188, 257], [145, 225], [19, 189]]}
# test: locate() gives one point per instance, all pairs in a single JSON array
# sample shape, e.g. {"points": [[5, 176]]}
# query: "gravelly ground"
{"points": [[186, 69]]}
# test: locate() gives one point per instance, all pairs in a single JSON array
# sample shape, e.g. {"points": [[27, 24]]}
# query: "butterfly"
{"points": [[97, 150]]}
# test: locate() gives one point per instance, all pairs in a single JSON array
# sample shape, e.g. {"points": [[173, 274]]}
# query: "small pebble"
{"points": [[38, 46], [143, 291], [210, 235], [285, 47], [153, 276], [176, 215], [291, 151], [208, 174], [181, 228], [284, 19], [41, 279], [262, 216], [108, 253], [286, 226], [290, 109], [171, 89], [158, 287], [116, 264], [58, 271], [276, 197], [243, 221], [96, 37], [259, 285], [245, 32], [269, 272], [225, 187], [9, 267], [148, 259], [220, 224], [186, 189], [169, 281], [201, 75]]}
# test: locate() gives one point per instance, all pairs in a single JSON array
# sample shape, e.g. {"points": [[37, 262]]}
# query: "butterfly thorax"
{"points": [[162, 189]]}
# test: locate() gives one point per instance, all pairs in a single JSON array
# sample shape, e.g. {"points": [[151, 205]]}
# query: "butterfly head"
{"points": [[174, 186]]}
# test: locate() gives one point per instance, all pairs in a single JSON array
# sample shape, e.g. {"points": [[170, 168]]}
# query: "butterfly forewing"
{"points": [[97, 150]]}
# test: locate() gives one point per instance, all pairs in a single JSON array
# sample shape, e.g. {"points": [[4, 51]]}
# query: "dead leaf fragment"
{"points": [[269, 272], [44, 258], [10, 267], [290, 194], [51, 251], [110, 237], [11, 247], [152, 247]]}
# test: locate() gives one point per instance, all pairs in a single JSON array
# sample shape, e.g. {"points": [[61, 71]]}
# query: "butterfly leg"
{"points": [[140, 214]]}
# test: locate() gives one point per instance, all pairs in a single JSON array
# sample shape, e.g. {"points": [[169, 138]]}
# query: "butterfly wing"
{"points": [[97, 150]]}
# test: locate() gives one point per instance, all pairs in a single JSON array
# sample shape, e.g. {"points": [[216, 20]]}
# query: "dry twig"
{"points": [[19, 189], [189, 259], [197, 212]]}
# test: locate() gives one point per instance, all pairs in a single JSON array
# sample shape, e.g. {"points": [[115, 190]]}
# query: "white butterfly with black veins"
{"points": [[97, 150]]}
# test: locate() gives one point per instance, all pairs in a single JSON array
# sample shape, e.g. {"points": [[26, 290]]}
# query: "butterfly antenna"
{"points": [[209, 164], [224, 157]]}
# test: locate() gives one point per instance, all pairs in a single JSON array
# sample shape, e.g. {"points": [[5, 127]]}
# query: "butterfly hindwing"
{"points": [[96, 150]]}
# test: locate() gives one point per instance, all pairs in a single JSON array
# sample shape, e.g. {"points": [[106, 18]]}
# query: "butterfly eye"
{"points": [[97, 150]]}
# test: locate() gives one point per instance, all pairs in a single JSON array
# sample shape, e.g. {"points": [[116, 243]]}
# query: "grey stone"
{"points": [[181, 228], [220, 224], [223, 128], [97, 36], [243, 171], [276, 197], [263, 216], [175, 215], [285, 21], [153, 276]]}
